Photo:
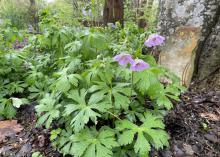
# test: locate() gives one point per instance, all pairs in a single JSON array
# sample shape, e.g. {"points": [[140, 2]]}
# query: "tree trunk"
{"points": [[201, 21], [113, 11], [33, 15], [142, 21]]}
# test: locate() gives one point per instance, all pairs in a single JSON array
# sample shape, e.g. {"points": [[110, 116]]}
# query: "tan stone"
{"points": [[179, 53]]}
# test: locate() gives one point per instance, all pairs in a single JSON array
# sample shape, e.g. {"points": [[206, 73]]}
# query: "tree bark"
{"points": [[142, 21], [33, 14], [203, 15], [113, 11]]}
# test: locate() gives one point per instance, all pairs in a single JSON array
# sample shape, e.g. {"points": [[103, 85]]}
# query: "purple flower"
{"points": [[20, 45], [25, 41], [124, 59], [154, 40], [139, 65]]}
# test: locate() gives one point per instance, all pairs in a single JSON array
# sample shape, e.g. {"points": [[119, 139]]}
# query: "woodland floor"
{"points": [[194, 127]]}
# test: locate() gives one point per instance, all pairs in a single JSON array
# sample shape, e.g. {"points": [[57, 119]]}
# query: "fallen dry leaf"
{"points": [[210, 116], [188, 149], [9, 128]]}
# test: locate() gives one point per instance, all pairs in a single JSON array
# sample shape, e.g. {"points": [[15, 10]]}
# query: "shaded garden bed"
{"points": [[194, 127]]}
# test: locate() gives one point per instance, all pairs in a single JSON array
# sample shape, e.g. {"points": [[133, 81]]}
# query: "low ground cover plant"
{"points": [[95, 90]]}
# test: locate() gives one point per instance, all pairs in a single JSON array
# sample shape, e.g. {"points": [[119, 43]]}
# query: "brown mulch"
{"points": [[194, 127], [30, 139]]}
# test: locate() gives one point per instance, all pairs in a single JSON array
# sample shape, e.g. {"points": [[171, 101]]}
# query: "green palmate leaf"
{"points": [[6, 108], [85, 110], [125, 151], [63, 84], [73, 47], [142, 146], [16, 87], [9, 111], [48, 110], [54, 134], [74, 65], [66, 80], [126, 137], [134, 111], [118, 94], [150, 132], [123, 73], [161, 95], [99, 70], [97, 41], [89, 142], [38, 90], [150, 59], [158, 137], [143, 80], [162, 100]]}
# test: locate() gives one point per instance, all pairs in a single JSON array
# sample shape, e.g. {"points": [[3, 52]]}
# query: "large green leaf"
{"points": [[150, 132], [48, 110], [89, 143], [119, 93], [84, 110], [143, 80]]}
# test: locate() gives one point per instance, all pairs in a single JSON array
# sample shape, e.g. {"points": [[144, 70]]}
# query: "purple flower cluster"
{"points": [[20, 45], [136, 65], [154, 40]]}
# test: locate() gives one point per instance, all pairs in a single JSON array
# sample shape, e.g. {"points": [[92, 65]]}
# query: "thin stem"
{"points": [[132, 84], [114, 115]]}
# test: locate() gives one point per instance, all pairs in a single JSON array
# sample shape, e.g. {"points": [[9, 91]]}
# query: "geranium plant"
{"points": [[100, 108]]}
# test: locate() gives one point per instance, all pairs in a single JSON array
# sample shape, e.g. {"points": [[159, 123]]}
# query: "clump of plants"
{"points": [[96, 92], [102, 105], [12, 70]]}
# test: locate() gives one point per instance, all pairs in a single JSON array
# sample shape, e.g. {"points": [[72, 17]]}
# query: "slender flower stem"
{"points": [[113, 114], [132, 84]]}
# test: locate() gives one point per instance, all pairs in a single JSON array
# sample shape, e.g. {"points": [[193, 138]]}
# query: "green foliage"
{"points": [[19, 12], [85, 110], [94, 98], [12, 72], [50, 108], [36, 154], [118, 93], [88, 142], [143, 80], [15, 11], [93, 106], [150, 132]]}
